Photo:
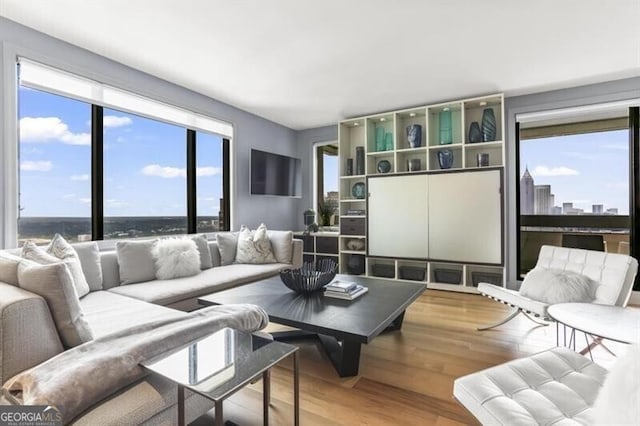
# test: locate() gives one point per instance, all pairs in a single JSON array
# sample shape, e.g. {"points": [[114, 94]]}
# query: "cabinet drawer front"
{"points": [[327, 245], [352, 226], [307, 243]]}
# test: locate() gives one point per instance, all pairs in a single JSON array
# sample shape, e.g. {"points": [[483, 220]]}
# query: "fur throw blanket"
{"points": [[78, 378]]}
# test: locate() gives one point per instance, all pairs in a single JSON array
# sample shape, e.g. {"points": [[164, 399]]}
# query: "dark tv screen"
{"points": [[274, 174]]}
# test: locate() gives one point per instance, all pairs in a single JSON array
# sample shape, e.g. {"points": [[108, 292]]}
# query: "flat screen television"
{"points": [[274, 174]]}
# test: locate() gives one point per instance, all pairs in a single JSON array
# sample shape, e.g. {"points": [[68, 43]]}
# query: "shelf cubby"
{"points": [[456, 123], [447, 273], [434, 164], [474, 109], [381, 268], [494, 149], [407, 118], [351, 134], [383, 123], [481, 273], [373, 160]]}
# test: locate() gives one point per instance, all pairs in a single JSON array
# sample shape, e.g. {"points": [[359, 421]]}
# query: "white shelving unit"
{"points": [[384, 138]]}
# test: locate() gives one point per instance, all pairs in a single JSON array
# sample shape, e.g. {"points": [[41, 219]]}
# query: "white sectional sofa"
{"points": [[28, 334]]}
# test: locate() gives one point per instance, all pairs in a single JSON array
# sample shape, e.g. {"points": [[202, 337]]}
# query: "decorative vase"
{"points": [[488, 125], [355, 264], [384, 166], [445, 158], [359, 160], [475, 134], [446, 134], [349, 166], [413, 165], [355, 244], [483, 159], [414, 135], [358, 190], [388, 141], [379, 138]]}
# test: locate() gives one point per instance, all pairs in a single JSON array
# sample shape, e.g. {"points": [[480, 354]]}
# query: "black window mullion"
{"points": [[192, 223], [224, 217], [97, 173], [518, 236], [634, 185]]}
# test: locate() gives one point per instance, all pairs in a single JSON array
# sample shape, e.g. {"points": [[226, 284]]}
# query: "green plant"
{"points": [[325, 212]]}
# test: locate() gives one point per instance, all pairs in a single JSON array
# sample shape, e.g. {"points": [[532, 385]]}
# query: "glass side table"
{"points": [[222, 363]]}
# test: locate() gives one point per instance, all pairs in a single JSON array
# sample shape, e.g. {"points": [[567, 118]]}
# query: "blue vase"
{"points": [[358, 191], [488, 125], [446, 131], [475, 134], [384, 166], [414, 135], [445, 158]]}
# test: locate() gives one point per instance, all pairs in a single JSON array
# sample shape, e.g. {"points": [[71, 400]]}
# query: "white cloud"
{"points": [[616, 146], [174, 172], [36, 166], [85, 200], [112, 121], [207, 199], [80, 177], [114, 203], [554, 171], [208, 171], [46, 129]]}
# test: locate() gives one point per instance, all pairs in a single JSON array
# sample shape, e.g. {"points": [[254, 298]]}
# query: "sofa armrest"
{"points": [[296, 258], [28, 335]]}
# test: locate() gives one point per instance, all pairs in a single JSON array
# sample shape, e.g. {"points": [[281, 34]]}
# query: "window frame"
{"points": [[315, 175]]}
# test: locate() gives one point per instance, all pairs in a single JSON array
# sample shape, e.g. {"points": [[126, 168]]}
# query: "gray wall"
{"points": [[564, 98], [305, 140], [250, 130]]}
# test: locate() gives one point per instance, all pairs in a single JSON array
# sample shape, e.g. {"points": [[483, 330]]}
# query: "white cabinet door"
{"points": [[465, 222], [397, 216]]}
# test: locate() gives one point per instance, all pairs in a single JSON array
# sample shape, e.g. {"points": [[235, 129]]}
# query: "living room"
{"points": [[226, 82]]}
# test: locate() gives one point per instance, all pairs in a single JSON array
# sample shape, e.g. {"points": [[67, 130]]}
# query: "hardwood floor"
{"points": [[406, 377]]}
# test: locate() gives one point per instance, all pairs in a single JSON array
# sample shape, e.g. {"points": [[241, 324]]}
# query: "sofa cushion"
{"points": [[135, 261], [89, 255], [203, 249], [282, 245], [557, 286], [175, 258], [254, 247], [9, 268], [165, 292], [65, 254], [227, 245], [108, 312], [54, 283]]}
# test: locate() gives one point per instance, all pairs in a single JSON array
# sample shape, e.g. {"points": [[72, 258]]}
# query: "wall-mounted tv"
{"points": [[274, 174]]}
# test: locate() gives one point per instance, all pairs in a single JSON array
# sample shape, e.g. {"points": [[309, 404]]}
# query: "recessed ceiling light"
{"points": [[412, 114], [446, 109], [383, 119], [356, 124], [483, 103]]}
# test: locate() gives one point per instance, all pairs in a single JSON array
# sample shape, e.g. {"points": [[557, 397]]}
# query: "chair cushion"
{"points": [[557, 386], [557, 286], [512, 297]]}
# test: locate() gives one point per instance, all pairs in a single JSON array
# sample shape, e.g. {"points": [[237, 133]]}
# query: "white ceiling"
{"points": [[306, 63]]}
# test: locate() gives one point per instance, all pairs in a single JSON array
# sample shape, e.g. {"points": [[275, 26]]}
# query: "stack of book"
{"points": [[344, 290]]}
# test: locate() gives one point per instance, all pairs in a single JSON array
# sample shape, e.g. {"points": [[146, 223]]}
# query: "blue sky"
{"points": [[583, 169], [144, 162]]}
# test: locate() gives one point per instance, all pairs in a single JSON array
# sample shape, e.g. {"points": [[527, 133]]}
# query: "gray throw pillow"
{"points": [[203, 249], [9, 268], [227, 245], [64, 253], [557, 286], [282, 245], [135, 261], [89, 255], [254, 247], [54, 283]]}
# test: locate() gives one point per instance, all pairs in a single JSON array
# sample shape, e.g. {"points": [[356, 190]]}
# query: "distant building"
{"points": [[612, 211], [566, 207], [556, 210], [527, 193], [597, 209], [84, 237], [542, 199], [574, 211]]}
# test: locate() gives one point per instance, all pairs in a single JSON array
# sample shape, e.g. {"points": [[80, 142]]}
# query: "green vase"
{"points": [[446, 133]]}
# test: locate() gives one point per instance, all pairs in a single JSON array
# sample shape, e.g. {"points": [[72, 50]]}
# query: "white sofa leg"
{"points": [[511, 316]]}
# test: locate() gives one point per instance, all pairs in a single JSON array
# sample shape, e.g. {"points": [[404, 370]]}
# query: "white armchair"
{"points": [[614, 274]]}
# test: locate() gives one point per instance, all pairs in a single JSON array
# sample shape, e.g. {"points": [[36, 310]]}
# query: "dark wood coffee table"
{"points": [[341, 325]]}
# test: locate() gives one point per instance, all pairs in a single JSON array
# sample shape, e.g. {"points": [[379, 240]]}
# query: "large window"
{"points": [[87, 171], [54, 166], [574, 187], [326, 168]]}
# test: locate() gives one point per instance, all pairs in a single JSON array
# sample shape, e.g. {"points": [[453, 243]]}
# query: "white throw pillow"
{"points": [[254, 247], [175, 258], [135, 261], [227, 246], [9, 268], [618, 402], [557, 286], [63, 254], [203, 248], [282, 245], [54, 283]]}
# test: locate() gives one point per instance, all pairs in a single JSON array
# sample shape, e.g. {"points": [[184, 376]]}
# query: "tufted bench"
{"points": [[555, 387]]}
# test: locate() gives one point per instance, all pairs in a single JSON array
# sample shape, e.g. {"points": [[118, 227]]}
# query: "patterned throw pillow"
{"points": [[254, 247]]}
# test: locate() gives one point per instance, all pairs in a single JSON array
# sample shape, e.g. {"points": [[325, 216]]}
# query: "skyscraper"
{"points": [[526, 193], [597, 209], [542, 199]]}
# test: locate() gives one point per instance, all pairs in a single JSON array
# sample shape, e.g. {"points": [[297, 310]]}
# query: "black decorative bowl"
{"points": [[310, 277]]}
